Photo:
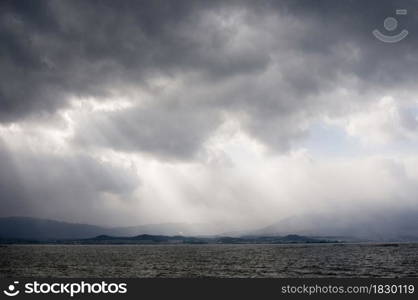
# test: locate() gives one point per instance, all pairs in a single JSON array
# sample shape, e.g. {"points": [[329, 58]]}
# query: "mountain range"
{"points": [[397, 228], [31, 230], [43, 229]]}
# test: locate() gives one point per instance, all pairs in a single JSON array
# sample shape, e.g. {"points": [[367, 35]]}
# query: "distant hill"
{"points": [[398, 227], [32, 230], [146, 239], [41, 229], [185, 229]]}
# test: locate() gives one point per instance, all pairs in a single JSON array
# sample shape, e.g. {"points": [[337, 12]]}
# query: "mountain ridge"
{"points": [[329, 228], [40, 229]]}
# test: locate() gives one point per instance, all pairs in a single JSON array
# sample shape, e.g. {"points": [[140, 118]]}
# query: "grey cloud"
{"points": [[168, 131], [53, 49], [57, 49]]}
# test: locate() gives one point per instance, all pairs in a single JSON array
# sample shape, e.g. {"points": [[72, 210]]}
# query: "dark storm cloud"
{"points": [[53, 50], [350, 23]]}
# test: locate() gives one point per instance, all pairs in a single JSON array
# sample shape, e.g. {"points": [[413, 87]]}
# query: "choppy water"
{"points": [[314, 260]]}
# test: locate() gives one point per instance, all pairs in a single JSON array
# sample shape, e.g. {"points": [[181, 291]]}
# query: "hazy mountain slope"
{"points": [[400, 226], [33, 228]]}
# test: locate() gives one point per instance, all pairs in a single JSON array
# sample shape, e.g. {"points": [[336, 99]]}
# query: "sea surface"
{"points": [[301, 260]]}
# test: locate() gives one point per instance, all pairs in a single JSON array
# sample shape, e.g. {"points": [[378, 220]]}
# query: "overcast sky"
{"points": [[239, 113]]}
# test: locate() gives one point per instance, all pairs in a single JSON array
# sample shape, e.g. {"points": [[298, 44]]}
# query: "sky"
{"points": [[233, 113]]}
